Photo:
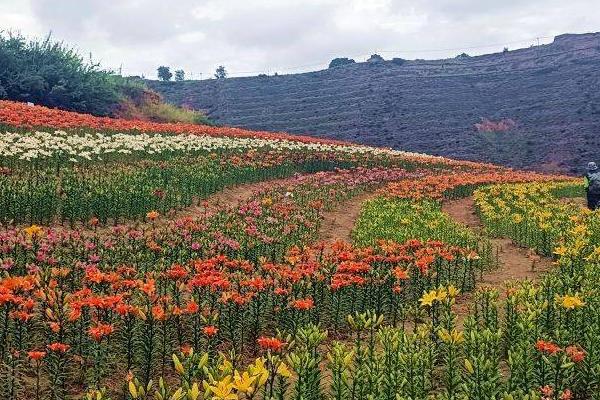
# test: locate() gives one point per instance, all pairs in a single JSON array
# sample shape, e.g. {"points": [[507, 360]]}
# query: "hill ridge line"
{"points": [[551, 92]]}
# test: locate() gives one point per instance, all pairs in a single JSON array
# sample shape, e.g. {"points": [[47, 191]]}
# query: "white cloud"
{"points": [[18, 16], [289, 35]]}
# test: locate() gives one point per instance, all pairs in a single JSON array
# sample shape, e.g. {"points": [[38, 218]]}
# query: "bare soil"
{"points": [[229, 197], [338, 223], [578, 201], [515, 263]]}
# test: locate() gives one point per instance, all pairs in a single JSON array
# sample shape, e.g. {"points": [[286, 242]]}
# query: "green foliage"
{"points": [[52, 74], [179, 75], [164, 112], [125, 191], [305, 361], [164, 73], [220, 72], [401, 220], [340, 62]]}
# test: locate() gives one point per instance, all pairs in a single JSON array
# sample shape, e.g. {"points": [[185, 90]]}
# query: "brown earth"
{"points": [[230, 196], [338, 223], [515, 263], [578, 201]]}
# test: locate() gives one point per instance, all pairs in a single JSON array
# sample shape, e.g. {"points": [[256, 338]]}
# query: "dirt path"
{"points": [[578, 201], [223, 199], [338, 223], [228, 197], [515, 263]]}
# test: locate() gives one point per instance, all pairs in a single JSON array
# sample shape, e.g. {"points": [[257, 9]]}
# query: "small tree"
{"points": [[164, 73], [221, 72], [179, 75]]}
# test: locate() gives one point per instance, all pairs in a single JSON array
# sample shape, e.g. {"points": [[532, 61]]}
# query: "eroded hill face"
{"points": [[550, 92]]}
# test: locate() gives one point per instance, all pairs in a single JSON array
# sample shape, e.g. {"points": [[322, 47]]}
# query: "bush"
{"points": [[144, 104], [340, 62], [179, 75], [52, 74], [163, 112], [375, 58]]}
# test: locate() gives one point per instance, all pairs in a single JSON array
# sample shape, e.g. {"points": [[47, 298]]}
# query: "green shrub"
{"points": [[340, 62], [163, 112], [50, 73]]}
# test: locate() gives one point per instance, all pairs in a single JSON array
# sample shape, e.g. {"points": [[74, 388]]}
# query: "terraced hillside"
{"points": [[552, 92]]}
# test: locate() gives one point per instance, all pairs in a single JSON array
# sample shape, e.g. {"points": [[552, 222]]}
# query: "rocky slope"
{"points": [[551, 92]]}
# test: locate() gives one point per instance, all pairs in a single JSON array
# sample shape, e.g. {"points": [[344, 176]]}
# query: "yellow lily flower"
{"points": [[243, 383], [33, 231], [453, 291], [428, 298], [560, 251], [223, 390], [258, 370], [453, 337], [571, 302], [441, 295], [283, 370]]}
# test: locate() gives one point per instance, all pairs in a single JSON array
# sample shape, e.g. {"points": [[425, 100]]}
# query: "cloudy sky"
{"points": [[254, 36]]}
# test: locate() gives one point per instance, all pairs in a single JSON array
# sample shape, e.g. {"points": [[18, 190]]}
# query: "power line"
{"points": [[364, 55], [469, 47], [481, 73]]}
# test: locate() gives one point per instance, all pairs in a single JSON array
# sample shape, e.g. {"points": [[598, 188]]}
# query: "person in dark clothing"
{"points": [[592, 186]]}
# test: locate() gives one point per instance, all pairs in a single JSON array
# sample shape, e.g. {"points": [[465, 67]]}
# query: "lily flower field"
{"points": [[169, 261]]}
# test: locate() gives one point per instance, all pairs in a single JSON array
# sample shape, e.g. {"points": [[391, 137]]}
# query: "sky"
{"points": [[250, 37]]}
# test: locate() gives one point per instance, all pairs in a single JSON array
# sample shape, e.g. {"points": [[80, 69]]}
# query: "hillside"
{"points": [[552, 92]]}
